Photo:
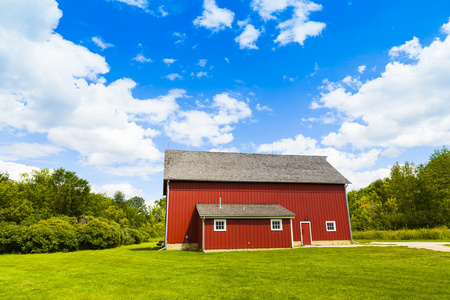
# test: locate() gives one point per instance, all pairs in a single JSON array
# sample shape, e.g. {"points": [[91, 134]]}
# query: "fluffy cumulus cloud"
{"points": [[361, 69], [169, 61], [446, 28], [72, 104], [141, 58], [296, 29], [407, 106], [174, 76], [202, 62], [199, 74], [102, 44], [15, 170], [138, 3], [411, 49], [248, 37], [260, 107], [195, 128], [23, 150], [111, 189], [213, 17], [350, 165]]}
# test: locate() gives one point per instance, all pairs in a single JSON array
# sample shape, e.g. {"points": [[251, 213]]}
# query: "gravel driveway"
{"points": [[436, 246]]}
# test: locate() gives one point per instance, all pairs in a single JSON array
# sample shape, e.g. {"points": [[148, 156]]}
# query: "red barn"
{"points": [[239, 201]]}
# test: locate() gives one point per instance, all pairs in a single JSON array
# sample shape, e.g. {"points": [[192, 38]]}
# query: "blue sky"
{"points": [[102, 87]]}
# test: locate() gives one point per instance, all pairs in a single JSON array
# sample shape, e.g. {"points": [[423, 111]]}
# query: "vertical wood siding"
{"points": [[247, 233], [317, 202]]}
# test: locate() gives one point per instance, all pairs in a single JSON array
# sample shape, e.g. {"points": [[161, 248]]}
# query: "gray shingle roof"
{"points": [[246, 167], [243, 210]]}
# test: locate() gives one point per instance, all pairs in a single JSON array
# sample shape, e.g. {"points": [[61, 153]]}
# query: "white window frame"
{"points": [[224, 224], [330, 222], [276, 220]]}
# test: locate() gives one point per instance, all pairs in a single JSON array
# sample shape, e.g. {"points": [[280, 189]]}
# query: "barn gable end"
{"points": [[202, 187]]}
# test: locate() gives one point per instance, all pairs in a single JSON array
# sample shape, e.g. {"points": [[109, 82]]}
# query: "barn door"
{"points": [[305, 229]]}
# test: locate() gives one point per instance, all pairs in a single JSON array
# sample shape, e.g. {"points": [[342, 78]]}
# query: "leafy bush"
{"points": [[62, 234], [52, 235], [98, 234], [126, 237], [11, 237]]}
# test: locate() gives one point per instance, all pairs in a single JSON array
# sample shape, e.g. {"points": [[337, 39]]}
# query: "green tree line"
{"points": [[57, 211], [413, 196]]}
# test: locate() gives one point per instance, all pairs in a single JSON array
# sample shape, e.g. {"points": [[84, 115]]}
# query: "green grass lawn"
{"points": [[366, 241], [138, 272]]}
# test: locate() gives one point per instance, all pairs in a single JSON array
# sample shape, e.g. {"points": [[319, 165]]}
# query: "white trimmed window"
{"points": [[331, 225], [220, 225], [276, 225]]}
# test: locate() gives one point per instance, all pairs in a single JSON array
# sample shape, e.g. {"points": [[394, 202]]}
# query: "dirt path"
{"points": [[436, 246]]}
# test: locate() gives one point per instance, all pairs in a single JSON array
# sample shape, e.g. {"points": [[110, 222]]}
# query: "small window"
{"points": [[276, 224], [220, 225], [331, 225]]}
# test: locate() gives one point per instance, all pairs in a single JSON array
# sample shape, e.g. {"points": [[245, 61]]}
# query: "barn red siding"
{"points": [[317, 202], [247, 233]]}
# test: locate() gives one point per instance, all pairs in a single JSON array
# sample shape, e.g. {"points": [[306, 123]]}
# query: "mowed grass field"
{"points": [[133, 272]]}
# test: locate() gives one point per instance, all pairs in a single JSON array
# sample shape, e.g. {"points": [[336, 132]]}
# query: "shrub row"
{"points": [[438, 233], [55, 235]]}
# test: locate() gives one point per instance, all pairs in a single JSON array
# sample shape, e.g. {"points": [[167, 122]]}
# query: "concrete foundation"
{"points": [[182, 246], [331, 243], [194, 246], [324, 243]]}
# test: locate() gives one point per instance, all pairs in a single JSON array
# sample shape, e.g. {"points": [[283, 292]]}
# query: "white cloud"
{"points": [[199, 74], [446, 28], [296, 29], [224, 149], [138, 3], [24, 151], [227, 60], [174, 76], [406, 106], [411, 48], [261, 108], [299, 28], [328, 118], [230, 109], [162, 12], [248, 37], [141, 58], [290, 79], [308, 146], [15, 170], [169, 61], [72, 104], [362, 179], [361, 69], [180, 37], [99, 42], [352, 166], [213, 17], [266, 8], [111, 189], [33, 20], [196, 128], [316, 69], [352, 82], [202, 62]]}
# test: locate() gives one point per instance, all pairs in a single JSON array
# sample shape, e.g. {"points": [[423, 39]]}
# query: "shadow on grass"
{"points": [[156, 248]]}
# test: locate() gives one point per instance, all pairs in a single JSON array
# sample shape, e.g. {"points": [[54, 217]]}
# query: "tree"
{"points": [[403, 185], [119, 199], [436, 178], [137, 211], [71, 193]]}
